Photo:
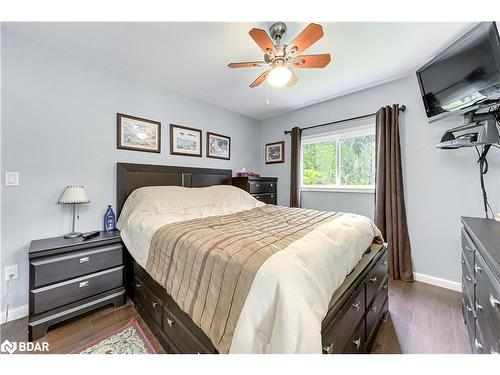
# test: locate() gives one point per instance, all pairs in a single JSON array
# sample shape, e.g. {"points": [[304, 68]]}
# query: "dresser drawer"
{"points": [[339, 333], [60, 294], [468, 278], [376, 277], [468, 247], [478, 344], [266, 198], [469, 315], [256, 187], [58, 268], [180, 335], [356, 343], [374, 313], [151, 303], [487, 297]]}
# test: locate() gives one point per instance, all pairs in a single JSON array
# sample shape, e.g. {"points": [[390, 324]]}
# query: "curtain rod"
{"points": [[402, 109]]}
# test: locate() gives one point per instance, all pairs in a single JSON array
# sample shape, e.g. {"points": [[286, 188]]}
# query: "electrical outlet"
{"points": [[11, 272]]}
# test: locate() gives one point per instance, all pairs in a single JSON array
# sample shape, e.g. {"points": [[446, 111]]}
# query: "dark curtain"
{"points": [[390, 212], [295, 168]]}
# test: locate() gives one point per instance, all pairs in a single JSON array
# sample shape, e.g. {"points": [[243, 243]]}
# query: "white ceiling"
{"points": [[191, 58]]}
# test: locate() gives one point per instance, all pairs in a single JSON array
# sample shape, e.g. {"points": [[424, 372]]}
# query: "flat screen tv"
{"points": [[464, 75]]}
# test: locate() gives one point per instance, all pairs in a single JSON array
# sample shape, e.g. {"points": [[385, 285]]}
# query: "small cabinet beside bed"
{"points": [[265, 189], [351, 319]]}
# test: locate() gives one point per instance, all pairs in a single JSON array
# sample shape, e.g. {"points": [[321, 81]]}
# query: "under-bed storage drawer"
{"points": [[149, 301], [60, 294], [58, 268], [339, 333], [376, 278], [180, 335]]}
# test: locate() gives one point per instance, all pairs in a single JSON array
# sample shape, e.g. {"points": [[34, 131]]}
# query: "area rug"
{"points": [[129, 339]]}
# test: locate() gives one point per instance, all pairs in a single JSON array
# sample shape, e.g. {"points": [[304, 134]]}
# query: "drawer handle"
{"points": [[138, 285], [494, 302], [357, 342], [469, 309], [272, 196], [257, 185], [468, 248], [477, 344], [373, 279], [155, 304], [328, 348], [385, 286], [170, 322], [356, 305], [84, 260], [468, 279], [83, 284], [271, 185], [492, 351], [463, 261], [478, 306], [477, 268], [374, 308], [384, 262]]}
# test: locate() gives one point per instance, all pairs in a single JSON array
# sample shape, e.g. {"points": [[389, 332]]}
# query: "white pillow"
{"points": [[201, 202]]}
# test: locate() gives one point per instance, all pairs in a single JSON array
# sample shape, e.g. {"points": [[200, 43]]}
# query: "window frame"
{"points": [[336, 135]]}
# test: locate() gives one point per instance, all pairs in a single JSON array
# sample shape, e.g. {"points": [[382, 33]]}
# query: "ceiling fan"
{"points": [[282, 58]]}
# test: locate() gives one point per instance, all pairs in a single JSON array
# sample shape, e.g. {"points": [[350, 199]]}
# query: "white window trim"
{"points": [[330, 136]]}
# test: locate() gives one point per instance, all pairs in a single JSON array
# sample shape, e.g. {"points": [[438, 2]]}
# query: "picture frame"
{"points": [[185, 141], [137, 134], [275, 152], [218, 146]]}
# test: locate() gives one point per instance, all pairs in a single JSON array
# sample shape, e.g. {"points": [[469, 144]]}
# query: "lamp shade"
{"points": [[74, 194]]}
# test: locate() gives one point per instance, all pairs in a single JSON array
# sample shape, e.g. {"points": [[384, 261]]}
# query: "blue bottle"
{"points": [[109, 219]]}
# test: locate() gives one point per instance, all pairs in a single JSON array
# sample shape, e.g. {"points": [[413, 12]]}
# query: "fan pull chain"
{"points": [[267, 94]]}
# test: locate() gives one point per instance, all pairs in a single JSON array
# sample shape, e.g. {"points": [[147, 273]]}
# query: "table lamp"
{"points": [[73, 194]]}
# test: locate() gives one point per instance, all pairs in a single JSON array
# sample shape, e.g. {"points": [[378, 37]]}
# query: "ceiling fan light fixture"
{"points": [[279, 76]]}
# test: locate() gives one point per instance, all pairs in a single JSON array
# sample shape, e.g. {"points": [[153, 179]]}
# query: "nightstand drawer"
{"points": [[60, 294], [266, 198], [255, 187], [59, 268]]}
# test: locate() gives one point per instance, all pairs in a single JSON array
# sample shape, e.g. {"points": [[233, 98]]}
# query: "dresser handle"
{"points": [[463, 261], [84, 260], [469, 309], [328, 348], [357, 342], [257, 185], [138, 285], [468, 279], [271, 185], [384, 286], [374, 308], [272, 196], [494, 302], [477, 344], [478, 306], [384, 262], [373, 279], [356, 305], [468, 248], [477, 268], [83, 284], [155, 304], [170, 322], [492, 351]]}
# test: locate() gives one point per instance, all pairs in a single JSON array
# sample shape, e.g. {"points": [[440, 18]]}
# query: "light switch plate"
{"points": [[11, 178]]}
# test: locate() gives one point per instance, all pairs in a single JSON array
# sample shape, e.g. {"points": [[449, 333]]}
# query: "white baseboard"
{"points": [[443, 283], [15, 313]]}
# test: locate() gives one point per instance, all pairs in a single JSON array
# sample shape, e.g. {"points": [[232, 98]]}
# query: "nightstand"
{"points": [[69, 277], [265, 189]]}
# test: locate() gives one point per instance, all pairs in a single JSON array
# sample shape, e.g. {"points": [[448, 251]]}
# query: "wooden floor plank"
{"points": [[422, 319]]}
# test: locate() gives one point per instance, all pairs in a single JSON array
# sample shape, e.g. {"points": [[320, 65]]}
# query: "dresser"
{"points": [[262, 188], [481, 283], [69, 277]]}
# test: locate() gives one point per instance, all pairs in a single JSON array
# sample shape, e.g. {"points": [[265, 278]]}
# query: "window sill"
{"points": [[339, 189]]}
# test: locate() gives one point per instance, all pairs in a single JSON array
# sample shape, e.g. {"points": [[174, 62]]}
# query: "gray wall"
{"points": [[59, 128], [440, 186]]}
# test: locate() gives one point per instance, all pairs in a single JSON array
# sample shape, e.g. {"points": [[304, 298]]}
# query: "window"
{"points": [[342, 160]]}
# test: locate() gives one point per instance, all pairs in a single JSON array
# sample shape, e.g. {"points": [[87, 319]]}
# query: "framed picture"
{"points": [[275, 152], [138, 134], [218, 146], [185, 141]]}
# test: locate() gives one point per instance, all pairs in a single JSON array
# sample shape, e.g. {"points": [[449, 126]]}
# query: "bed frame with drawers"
{"points": [[356, 310]]}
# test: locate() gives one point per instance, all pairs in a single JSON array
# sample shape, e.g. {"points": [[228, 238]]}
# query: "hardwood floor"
{"points": [[423, 319]]}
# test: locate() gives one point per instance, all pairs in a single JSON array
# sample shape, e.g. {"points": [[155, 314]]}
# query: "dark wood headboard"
{"points": [[133, 176]]}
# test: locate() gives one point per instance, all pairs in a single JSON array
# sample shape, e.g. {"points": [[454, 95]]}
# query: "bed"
{"points": [[281, 290]]}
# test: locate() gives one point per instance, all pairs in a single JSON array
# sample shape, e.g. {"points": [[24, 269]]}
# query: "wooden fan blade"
{"points": [[310, 35], [263, 40], [293, 79], [259, 79], [248, 64], [312, 61]]}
